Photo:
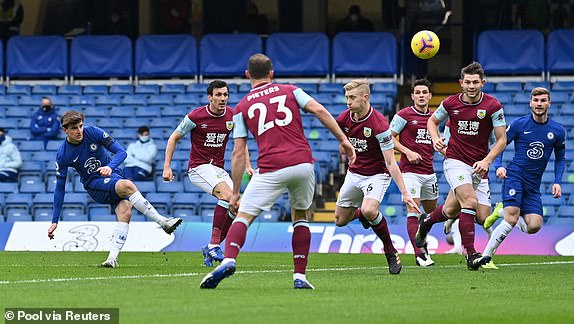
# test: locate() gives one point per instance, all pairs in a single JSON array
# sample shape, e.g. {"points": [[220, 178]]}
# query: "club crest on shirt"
{"points": [[512, 192], [461, 177], [367, 132], [550, 135], [93, 147], [229, 125], [481, 113], [106, 135]]}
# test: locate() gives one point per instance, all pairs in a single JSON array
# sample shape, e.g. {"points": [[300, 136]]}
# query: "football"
{"points": [[425, 44]]}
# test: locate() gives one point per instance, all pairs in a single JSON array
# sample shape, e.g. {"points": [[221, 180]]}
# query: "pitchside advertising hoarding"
{"points": [[264, 237]]}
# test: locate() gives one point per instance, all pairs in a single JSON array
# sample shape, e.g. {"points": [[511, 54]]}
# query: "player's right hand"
{"points": [[51, 230], [167, 175], [347, 151], [414, 157], [234, 203], [410, 202], [439, 145], [501, 173]]}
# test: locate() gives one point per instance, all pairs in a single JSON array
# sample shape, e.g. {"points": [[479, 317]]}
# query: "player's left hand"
{"points": [[234, 203], [409, 201], [481, 167], [556, 190], [250, 171], [51, 230], [105, 171]]}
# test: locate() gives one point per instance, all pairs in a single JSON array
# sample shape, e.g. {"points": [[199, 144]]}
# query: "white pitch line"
{"points": [[193, 274]]}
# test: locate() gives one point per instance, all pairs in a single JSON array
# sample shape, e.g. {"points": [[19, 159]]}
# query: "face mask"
{"points": [[143, 139], [46, 108], [2, 138]]}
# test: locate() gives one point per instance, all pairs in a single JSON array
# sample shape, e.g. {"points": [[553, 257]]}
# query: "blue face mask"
{"points": [[143, 139], [2, 138]]}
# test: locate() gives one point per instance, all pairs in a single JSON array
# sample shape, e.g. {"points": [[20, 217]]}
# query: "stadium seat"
{"points": [[166, 56], [299, 54], [269, 216], [51, 184], [161, 201], [160, 100], [385, 87], [110, 101], [528, 86], [566, 211], [522, 98], [496, 51], [70, 90], [19, 89], [82, 100], [36, 57], [171, 88], [74, 214], [562, 86], [135, 100], [169, 187], [147, 89], [509, 87], [364, 54], [43, 214], [121, 89], [44, 89], [8, 101], [226, 54], [101, 213], [18, 215], [95, 89], [101, 56], [145, 186]]}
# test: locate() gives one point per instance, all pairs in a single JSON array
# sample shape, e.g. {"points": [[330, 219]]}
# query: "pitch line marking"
{"points": [[193, 274]]}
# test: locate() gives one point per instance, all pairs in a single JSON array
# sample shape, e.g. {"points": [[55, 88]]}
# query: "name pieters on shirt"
{"points": [[468, 127], [262, 93], [214, 139], [423, 136], [359, 144]]}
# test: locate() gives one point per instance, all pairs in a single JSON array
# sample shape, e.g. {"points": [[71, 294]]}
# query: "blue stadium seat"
{"points": [[199, 88], [109, 123], [560, 98], [188, 99], [560, 53], [548, 200], [145, 186], [51, 184], [385, 87], [171, 88], [31, 146], [137, 122], [44, 89], [95, 89], [18, 112], [16, 199], [78, 186], [175, 111], [30, 100], [108, 101], [147, 89], [33, 168], [271, 216], [70, 90], [496, 51], [42, 214], [166, 56], [528, 86], [185, 201], [101, 213], [74, 214], [8, 100], [32, 184], [150, 111], [563, 86], [522, 98], [121, 89], [299, 54], [227, 54], [566, 211], [163, 99], [509, 87], [101, 56], [135, 100], [60, 101], [82, 100], [169, 187], [19, 89], [18, 215], [365, 54], [505, 98], [36, 57]]}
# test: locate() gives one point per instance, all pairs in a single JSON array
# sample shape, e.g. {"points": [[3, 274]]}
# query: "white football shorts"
{"points": [[422, 186], [357, 187], [207, 176], [265, 188]]}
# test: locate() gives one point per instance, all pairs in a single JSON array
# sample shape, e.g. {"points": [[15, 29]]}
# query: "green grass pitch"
{"points": [[350, 288]]}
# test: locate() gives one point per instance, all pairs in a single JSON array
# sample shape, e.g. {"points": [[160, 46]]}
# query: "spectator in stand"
{"points": [[141, 155], [10, 159], [11, 17], [355, 22], [45, 123]]}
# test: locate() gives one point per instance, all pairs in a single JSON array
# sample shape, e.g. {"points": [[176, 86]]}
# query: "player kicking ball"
{"points": [[86, 150]]}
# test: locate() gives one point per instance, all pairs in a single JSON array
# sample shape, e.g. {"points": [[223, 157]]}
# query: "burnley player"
{"points": [[271, 112], [86, 150], [535, 136], [473, 116], [368, 179], [209, 126], [417, 157]]}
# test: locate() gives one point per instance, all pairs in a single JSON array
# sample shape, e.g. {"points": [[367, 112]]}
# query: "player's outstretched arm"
{"points": [[59, 193], [328, 121], [395, 172], [167, 174], [237, 169]]}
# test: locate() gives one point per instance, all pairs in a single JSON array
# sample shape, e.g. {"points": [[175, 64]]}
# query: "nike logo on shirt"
{"points": [[526, 133]]}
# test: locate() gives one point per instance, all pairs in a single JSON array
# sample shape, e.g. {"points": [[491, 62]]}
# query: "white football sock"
{"points": [[498, 235], [118, 239], [146, 208], [522, 224]]}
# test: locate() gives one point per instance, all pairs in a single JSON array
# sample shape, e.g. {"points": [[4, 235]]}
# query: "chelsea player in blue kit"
{"points": [[86, 150], [535, 136]]}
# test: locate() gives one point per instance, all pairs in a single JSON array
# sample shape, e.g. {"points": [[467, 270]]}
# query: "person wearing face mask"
{"points": [[45, 123], [141, 155], [10, 159], [355, 22]]}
